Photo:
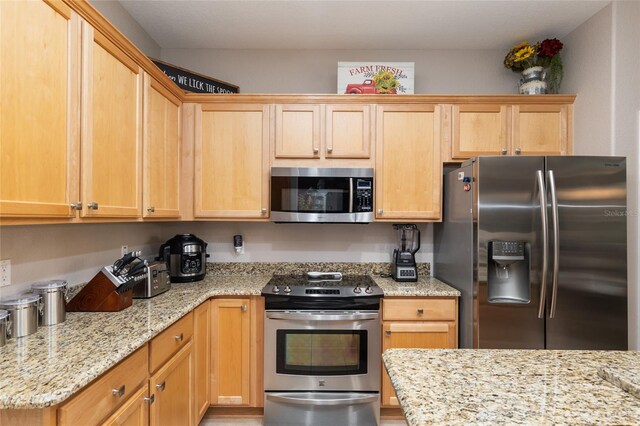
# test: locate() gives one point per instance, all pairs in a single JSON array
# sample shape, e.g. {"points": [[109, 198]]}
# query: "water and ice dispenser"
{"points": [[508, 272]]}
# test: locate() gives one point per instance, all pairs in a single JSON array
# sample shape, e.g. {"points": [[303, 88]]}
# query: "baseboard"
{"points": [[238, 412]]}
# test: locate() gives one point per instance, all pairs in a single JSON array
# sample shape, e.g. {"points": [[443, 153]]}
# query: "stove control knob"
{"points": [[275, 289], [287, 289], [357, 290], [368, 290]]}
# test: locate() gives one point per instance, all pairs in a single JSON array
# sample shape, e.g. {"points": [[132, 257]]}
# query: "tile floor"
{"points": [[210, 421]]}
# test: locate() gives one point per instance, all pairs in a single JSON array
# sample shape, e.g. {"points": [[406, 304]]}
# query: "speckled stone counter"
{"points": [[487, 387], [626, 378], [49, 366]]}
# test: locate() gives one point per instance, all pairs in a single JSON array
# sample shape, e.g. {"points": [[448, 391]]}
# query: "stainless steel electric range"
{"points": [[322, 350]]}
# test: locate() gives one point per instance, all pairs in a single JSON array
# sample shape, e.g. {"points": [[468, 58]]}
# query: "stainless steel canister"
{"points": [[54, 300], [23, 311], [5, 324]]}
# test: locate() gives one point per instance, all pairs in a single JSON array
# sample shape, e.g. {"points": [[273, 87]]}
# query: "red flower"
{"points": [[550, 48]]}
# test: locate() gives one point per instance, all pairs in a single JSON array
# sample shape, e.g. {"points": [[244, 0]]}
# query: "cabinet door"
{"points": [[479, 130], [39, 100], [111, 129], [348, 131], [161, 152], [408, 166], [541, 129], [297, 131], [230, 358], [202, 358], [428, 335], [231, 161], [134, 412], [172, 387]]}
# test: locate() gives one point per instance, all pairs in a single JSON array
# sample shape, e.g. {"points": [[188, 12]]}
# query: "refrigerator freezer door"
{"points": [[591, 284], [508, 210]]}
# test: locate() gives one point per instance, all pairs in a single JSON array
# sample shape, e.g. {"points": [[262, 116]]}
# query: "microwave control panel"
{"points": [[363, 201]]}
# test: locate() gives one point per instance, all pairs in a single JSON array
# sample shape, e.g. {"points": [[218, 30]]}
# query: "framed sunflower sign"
{"points": [[375, 77]]}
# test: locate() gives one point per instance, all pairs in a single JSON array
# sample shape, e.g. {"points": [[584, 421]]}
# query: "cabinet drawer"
{"points": [[415, 309], [170, 341], [105, 395]]}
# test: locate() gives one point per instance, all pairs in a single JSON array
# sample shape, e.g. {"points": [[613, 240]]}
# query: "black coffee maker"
{"points": [[404, 257]]}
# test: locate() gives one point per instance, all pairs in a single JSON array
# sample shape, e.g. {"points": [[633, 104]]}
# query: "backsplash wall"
{"points": [[76, 252]]}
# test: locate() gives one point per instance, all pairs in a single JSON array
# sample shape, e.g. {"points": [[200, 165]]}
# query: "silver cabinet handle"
{"points": [[263, 210], [179, 337], [504, 151], [379, 211], [316, 150], [420, 311], [119, 392], [556, 241], [329, 150], [243, 308], [92, 206], [161, 386], [150, 400], [518, 151], [387, 332], [545, 240], [76, 206], [151, 209]]}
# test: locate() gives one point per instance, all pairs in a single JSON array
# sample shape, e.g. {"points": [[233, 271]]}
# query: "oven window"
{"points": [[321, 352], [310, 194]]}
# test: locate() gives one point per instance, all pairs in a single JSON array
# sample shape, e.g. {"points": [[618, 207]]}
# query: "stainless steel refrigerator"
{"points": [[538, 248]]}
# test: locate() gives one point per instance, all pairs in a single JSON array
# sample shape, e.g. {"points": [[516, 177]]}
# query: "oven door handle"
{"points": [[360, 316], [301, 400]]}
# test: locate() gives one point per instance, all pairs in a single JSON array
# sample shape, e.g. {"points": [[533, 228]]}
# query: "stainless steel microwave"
{"points": [[321, 195]]}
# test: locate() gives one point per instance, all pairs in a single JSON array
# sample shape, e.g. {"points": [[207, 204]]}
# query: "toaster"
{"points": [[156, 282]]}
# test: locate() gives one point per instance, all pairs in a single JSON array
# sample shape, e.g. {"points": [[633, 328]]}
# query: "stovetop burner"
{"points": [[327, 285]]}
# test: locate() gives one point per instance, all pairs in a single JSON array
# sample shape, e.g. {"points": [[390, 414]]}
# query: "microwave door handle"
{"points": [[360, 316], [301, 400], [351, 200]]}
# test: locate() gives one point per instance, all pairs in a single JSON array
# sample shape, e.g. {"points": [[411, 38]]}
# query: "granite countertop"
{"points": [[46, 368], [626, 378], [489, 387]]}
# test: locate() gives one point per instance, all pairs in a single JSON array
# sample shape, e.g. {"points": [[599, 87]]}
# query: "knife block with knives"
{"points": [[111, 290]]}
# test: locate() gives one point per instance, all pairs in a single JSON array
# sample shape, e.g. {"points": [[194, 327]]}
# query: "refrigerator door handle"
{"points": [[556, 242], [545, 240]]}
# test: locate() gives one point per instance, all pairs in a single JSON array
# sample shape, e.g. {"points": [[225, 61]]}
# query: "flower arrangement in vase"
{"points": [[540, 65]]}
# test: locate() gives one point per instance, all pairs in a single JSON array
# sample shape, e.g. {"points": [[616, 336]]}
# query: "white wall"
{"points": [[72, 252], [271, 242], [123, 21], [315, 71], [602, 66]]}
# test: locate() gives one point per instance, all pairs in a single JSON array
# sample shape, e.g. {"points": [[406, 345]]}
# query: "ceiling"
{"points": [[363, 24]]}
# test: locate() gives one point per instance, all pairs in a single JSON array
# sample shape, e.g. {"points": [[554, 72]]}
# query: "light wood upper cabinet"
{"points": [[479, 130], [297, 131], [348, 131], [39, 101], [230, 351], [111, 129], [542, 129], [408, 165], [161, 151], [173, 388], [202, 358], [231, 161]]}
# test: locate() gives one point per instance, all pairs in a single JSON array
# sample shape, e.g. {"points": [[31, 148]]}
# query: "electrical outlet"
{"points": [[5, 272], [124, 250]]}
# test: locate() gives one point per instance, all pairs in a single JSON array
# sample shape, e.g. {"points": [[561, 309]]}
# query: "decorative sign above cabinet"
{"points": [[357, 78], [193, 82]]}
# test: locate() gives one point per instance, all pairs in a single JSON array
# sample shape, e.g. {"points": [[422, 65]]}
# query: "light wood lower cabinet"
{"points": [[429, 323], [134, 412], [202, 359], [172, 387]]}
